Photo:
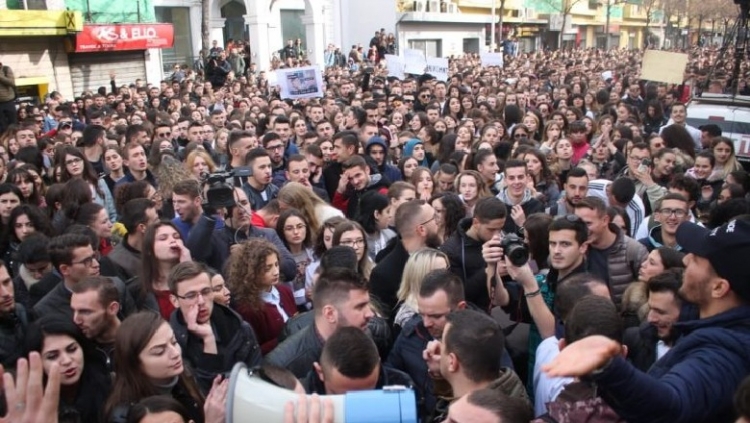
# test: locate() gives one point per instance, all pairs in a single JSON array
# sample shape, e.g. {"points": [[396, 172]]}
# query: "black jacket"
{"points": [[12, 335], [235, 341], [385, 278], [406, 356], [465, 258], [57, 301], [212, 246], [298, 352], [641, 342], [124, 260], [388, 376], [43, 287], [377, 328], [331, 175]]}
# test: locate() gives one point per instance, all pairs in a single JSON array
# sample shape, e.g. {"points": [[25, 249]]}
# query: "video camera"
{"points": [[220, 193]]}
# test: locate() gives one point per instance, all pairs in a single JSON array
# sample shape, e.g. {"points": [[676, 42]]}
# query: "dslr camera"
{"points": [[515, 249]]}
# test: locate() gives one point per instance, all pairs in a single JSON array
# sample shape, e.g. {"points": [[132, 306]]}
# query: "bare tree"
{"points": [[563, 7], [649, 7], [205, 26], [501, 12]]}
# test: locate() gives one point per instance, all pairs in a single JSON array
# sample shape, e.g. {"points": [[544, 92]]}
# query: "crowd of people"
{"points": [[153, 236]]}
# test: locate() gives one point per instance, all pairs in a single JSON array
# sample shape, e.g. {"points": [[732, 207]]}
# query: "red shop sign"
{"points": [[119, 37]]}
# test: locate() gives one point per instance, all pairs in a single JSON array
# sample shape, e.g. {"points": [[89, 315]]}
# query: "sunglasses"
{"points": [[164, 134]]}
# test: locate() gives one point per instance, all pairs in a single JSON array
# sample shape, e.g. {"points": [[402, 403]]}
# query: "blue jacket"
{"points": [[694, 382]]}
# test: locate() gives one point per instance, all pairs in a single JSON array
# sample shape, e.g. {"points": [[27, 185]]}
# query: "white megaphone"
{"points": [[251, 399]]}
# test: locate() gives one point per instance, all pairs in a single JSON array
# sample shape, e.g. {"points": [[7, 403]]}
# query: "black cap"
{"points": [[727, 248]]}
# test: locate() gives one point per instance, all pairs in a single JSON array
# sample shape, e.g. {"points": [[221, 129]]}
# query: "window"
{"points": [[182, 52], [431, 48]]}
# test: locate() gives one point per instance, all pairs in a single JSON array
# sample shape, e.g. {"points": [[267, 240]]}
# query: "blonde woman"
{"points": [[417, 267], [726, 159], [297, 196], [199, 163]]}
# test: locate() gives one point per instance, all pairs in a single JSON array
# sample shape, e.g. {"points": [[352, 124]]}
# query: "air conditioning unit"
{"points": [[433, 6], [419, 5], [453, 8]]}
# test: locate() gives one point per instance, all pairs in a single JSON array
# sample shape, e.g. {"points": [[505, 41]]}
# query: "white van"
{"points": [[731, 114]]}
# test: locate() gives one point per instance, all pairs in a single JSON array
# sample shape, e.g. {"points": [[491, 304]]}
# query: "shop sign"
{"points": [[121, 37]]}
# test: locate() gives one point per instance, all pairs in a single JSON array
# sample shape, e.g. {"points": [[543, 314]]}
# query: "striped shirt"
{"points": [[635, 208]]}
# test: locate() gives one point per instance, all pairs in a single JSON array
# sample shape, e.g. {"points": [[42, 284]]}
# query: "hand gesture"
{"points": [[112, 75], [311, 413], [518, 215], [202, 330], [343, 183], [431, 356], [582, 357], [216, 402], [25, 399], [184, 252]]}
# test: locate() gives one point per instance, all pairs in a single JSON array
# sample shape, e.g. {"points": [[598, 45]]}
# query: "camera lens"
{"points": [[518, 255]]}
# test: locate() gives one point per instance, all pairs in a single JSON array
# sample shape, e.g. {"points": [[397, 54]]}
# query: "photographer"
{"points": [[464, 248], [529, 298], [217, 69]]}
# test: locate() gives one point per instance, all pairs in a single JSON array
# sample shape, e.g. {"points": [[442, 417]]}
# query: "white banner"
{"points": [[297, 83], [491, 59], [438, 67], [395, 66], [414, 61]]}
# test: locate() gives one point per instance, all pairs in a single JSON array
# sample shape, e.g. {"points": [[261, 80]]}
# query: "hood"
{"points": [[409, 146], [376, 140], [503, 196], [26, 276], [463, 226], [654, 237]]}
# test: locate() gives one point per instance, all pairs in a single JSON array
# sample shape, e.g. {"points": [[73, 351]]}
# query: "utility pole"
{"points": [[606, 27], [492, 26]]}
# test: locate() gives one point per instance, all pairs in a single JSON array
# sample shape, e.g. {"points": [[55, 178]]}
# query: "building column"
{"points": [[259, 39], [217, 30], [315, 47], [195, 29]]}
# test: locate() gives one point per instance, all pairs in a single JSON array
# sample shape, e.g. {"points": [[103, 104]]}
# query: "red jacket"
{"points": [[267, 322]]}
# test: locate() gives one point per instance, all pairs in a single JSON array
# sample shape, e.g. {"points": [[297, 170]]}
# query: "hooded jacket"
{"points": [[694, 382], [388, 170], [409, 151], [654, 240], [529, 204], [465, 259]]}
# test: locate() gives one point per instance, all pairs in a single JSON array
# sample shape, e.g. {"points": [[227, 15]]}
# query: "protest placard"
{"points": [[664, 66], [491, 59], [297, 83], [414, 61], [437, 67]]}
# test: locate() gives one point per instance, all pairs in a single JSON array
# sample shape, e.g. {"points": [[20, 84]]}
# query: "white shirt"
{"points": [[635, 209], [661, 349], [273, 297], [546, 388]]}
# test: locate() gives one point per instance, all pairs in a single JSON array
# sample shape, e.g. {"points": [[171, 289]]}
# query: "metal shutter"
{"points": [[89, 71]]}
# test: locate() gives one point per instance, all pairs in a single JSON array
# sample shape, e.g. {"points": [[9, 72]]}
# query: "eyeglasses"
{"points": [[193, 295], [354, 243], [275, 147], [73, 161], [518, 136], [164, 134], [88, 261], [299, 227], [428, 220], [677, 212], [408, 100]]}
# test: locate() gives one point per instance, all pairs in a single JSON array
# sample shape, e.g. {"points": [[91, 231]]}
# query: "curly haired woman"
{"points": [[260, 299]]}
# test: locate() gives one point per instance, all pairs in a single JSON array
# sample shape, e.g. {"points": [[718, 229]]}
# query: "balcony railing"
{"points": [[427, 6]]}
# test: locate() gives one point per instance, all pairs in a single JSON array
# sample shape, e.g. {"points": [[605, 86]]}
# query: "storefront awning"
{"points": [[25, 23]]}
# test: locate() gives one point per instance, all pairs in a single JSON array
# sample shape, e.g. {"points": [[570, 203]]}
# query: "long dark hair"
{"points": [[131, 384], [21, 174], [149, 262], [89, 174], [675, 136], [369, 203], [320, 246], [36, 217], [93, 387], [454, 211]]}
